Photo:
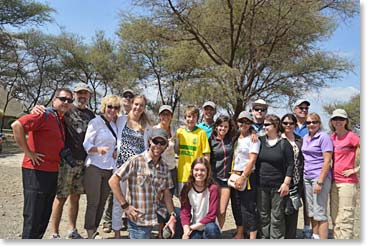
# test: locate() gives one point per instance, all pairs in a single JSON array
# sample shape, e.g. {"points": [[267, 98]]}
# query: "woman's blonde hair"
{"points": [[144, 120], [316, 116], [110, 100]]}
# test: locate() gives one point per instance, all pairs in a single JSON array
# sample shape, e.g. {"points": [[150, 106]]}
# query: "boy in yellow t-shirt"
{"points": [[191, 143]]}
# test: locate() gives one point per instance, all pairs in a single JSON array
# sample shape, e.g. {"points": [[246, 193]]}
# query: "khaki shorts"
{"points": [[70, 179]]}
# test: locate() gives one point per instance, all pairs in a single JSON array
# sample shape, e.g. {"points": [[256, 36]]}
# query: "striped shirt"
{"points": [[146, 182]]}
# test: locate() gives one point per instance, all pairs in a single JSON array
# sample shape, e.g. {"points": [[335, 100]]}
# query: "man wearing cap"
{"points": [[127, 101], [300, 110], [209, 110], [259, 111], [70, 178], [148, 181]]}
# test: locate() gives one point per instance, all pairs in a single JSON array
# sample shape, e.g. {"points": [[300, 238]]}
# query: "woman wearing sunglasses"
{"points": [[288, 124], [274, 169], [344, 188], [317, 149], [132, 139], [99, 143], [244, 202]]}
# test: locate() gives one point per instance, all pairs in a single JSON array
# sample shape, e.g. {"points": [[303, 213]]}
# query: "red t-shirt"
{"points": [[44, 137], [344, 156]]}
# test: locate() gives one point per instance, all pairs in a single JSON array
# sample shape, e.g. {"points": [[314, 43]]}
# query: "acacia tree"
{"points": [[256, 48]]}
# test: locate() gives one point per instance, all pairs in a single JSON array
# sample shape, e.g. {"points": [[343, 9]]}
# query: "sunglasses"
{"points": [[160, 142], [288, 123], [113, 107], [267, 124], [259, 109], [339, 119], [314, 122], [244, 122], [65, 99], [128, 95], [303, 108]]}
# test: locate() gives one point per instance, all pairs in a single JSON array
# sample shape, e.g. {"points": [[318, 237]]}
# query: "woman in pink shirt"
{"points": [[199, 203], [344, 188]]}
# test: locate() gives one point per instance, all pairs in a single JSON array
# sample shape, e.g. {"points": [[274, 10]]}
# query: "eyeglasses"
{"points": [[260, 109], [314, 122], [128, 95], [65, 99], [244, 122], [339, 119], [288, 123], [303, 108], [160, 142], [113, 107], [267, 124]]}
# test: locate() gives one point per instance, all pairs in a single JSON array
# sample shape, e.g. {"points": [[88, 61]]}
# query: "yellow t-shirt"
{"points": [[193, 144]]}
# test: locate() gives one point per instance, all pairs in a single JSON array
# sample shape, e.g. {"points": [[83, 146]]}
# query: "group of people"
{"points": [[127, 167]]}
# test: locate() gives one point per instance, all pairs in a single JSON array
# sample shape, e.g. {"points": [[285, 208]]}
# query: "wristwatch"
{"points": [[319, 183], [125, 205], [173, 214]]}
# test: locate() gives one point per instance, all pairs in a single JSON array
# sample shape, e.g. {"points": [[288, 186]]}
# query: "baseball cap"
{"points": [[159, 133], [244, 114], [82, 87], [209, 103], [165, 107], [128, 91], [300, 101], [259, 102], [339, 113]]}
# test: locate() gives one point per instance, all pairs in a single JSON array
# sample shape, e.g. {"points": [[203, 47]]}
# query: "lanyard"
{"points": [[109, 126]]}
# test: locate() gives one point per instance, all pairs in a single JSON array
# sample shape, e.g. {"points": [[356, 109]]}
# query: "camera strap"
{"points": [[53, 111], [109, 126]]}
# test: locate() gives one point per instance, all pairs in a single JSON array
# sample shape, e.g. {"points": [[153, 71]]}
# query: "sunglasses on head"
{"points": [[113, 107], [128, 95], [160, 142], [65, 99], [288, 123], [303, 108], [339, 119], [314, 122], [260, 109], [267, 124], [242, 121]]}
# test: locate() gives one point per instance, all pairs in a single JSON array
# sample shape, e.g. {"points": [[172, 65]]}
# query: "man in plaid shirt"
{"points": [[148, 181]]}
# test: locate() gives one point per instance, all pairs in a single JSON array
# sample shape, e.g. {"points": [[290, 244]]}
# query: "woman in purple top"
{"points": [[199, 203], [317, 149]]}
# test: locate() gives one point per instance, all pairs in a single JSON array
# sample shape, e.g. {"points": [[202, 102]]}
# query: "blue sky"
{"points": [[85, 17]]}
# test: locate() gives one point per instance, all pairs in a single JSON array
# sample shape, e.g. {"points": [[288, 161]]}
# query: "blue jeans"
{"points": [[211, 231], [138, 232]]}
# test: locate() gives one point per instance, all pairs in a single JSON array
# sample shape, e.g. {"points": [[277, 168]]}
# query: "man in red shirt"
{"points": [[46, 137]]}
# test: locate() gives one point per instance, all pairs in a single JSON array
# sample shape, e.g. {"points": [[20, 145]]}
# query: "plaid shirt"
{"points": [[146, 182]]}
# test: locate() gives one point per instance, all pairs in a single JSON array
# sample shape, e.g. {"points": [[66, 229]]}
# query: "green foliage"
{"points": [[352, 107]]}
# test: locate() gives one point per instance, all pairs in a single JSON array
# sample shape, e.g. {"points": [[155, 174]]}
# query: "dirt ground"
{"points": [[11, 203]]}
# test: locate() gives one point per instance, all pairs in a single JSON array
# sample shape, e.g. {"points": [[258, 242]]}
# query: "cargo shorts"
{"points": [[70, 179]]}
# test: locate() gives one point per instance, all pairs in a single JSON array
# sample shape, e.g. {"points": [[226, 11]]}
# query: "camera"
{"points": [[66, 155], [166, 233], [294, 196]]}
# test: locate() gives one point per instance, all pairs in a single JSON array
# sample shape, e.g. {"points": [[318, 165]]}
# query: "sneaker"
{"points": [[55, 236], [74, 235], [307, 234]]}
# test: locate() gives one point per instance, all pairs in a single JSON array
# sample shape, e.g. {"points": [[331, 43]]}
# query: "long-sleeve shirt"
{"points": [[200, 207], [98, 135]]}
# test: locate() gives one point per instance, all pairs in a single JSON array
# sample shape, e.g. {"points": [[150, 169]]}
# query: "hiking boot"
{"points": [[55, 236], [74, 235]]}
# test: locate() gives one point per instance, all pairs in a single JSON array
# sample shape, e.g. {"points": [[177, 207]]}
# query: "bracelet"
{"points": [[125, 205]]}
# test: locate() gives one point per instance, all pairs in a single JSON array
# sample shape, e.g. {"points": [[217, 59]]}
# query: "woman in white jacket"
{"points": [[99, 143]]}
